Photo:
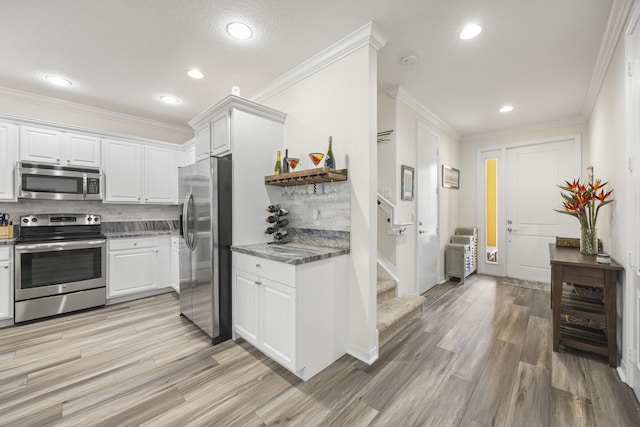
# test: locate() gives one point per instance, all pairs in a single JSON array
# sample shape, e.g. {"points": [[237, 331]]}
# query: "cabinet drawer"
{"points": [[175, 242], [276, 271], [5, 253], [133, 243]]}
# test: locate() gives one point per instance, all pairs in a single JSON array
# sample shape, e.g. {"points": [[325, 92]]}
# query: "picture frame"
{"points": [[450, 177], [407, 182]]}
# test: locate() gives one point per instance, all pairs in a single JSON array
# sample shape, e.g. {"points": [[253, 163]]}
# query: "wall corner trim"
{"points": [[615, 25], [399, 93], [367, 35], [46, 101], [363, 355]]}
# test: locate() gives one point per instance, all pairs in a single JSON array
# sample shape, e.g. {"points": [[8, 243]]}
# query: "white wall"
{"points": [[387, 166], [340, 100], [404, 146], [607, 154]]}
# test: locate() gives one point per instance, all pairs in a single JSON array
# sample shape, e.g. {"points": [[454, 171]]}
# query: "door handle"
{"points": [[510, 229], [421, 231]]}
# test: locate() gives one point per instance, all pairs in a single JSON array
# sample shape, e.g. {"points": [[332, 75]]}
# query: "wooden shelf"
{"points": [[308, 176]]}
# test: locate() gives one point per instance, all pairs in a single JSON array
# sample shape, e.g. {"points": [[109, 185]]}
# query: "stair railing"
{"points": [[394, 226]]}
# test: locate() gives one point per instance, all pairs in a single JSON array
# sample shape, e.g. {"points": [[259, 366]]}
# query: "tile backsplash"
{"points": [[315, 212], [108, 211]]}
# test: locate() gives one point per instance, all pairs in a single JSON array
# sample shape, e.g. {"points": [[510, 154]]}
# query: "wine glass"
{"points": [[316, 158], [293, 162]]}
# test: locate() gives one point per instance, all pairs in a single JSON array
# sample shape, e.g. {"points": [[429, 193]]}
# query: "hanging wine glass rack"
{"points": [[308, 176]]}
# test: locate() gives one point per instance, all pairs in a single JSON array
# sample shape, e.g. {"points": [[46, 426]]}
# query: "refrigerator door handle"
{"points": [[189, 237]]}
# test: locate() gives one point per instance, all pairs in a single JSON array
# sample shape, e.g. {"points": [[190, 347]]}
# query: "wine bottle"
{"points": [[271, 219], [280, 235], [278, 167], [329, 159], [271, 230], [285, 161], [273, 208], [282, 223], [282, 212]]}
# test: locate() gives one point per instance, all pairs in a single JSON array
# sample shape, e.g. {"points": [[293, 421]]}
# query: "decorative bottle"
{"points": [[278, 167], [329, 159], [285, 161]]}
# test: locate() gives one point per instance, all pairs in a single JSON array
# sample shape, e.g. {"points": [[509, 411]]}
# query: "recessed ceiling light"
{"points": [[194, 73], [168, 99], [506, 108], [470, 31], [239, 31], [58, 81]]}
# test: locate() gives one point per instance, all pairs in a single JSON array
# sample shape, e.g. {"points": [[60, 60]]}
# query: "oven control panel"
{"points": [[44, 220]]}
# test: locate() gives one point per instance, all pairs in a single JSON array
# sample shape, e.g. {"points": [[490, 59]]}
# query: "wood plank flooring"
{"points": [[480, 355]]}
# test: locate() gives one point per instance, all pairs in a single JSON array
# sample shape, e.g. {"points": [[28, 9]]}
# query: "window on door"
{"points": [[491, 213]]}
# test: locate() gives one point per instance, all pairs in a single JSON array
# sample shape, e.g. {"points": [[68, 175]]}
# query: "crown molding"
{"points": [[399, 93], [524, 129], [615, 26], [232, 101], [367, 35], [46, 101]]}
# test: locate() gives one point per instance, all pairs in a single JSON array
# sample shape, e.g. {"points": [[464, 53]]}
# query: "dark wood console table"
{"points": [[568, 265]]}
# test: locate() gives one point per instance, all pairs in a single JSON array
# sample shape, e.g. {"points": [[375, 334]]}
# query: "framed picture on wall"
{"points": [[450, 177], [406, 178]]}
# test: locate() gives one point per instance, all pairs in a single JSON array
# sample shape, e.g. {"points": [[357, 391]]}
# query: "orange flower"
{"points": [[584, 201]]}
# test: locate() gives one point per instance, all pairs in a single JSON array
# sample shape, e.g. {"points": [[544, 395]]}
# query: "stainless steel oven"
{"points": [[60, 263], [42, 181]]}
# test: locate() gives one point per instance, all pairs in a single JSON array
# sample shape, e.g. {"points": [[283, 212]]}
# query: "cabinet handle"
{"points": [[258, 282], [6, 267], [257, 265]]}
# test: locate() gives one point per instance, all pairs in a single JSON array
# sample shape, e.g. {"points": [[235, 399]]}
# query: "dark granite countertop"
{"points": [[290, 253], [139, 233], [7, 242]]}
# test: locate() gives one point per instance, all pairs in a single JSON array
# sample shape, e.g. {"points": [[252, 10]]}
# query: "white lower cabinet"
{"points": [[175, 263], [137, 265], [296, 315], [6, 282]]}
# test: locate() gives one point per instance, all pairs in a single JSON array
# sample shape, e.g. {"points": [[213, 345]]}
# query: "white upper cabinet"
{"points": [[161, 175], [39, 145], [137, 173], [203, 141], [60, 148], [220, 135], [8, 158], [80, 150], [122, 171]]}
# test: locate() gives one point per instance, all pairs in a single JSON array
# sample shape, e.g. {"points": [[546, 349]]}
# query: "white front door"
{"points": [[428, 250], [533, 174]]}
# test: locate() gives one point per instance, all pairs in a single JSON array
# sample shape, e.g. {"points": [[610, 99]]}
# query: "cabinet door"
{"points": [[220, 134], [203, 141], [7, 161], [245, 306], [6, 290], [132, 271], [175, 263], [278, 322], [164, 261], [80, 150], [122, 172], [160, 176], [39, 145]]}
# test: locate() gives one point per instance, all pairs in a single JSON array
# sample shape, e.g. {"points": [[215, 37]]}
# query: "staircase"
{"points": [[394, 312]]}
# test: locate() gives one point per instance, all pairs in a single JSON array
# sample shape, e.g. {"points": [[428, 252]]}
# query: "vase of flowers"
{"points": [[584, 202]]}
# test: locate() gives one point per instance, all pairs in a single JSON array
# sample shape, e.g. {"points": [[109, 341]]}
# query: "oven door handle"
{"points": [[59, 246]]}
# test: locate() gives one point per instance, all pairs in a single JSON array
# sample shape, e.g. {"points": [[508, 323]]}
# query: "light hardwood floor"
{"points": [[480, 355]]}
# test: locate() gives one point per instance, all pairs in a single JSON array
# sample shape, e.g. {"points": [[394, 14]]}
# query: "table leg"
{"points": [[610, 295], [556, 303]]}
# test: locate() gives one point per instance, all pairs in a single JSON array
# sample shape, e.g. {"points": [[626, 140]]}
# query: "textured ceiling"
{"points": [[123, 54]]}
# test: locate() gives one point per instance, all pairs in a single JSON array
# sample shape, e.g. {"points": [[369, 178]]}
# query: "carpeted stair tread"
{"points": [[395, 314], [386, 288]]}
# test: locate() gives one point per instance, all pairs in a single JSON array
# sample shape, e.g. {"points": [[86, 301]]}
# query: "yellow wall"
{"points": [[492, 202]]}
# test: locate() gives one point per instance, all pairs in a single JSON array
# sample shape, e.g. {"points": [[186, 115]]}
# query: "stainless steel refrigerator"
{"points": [[205, 191]]}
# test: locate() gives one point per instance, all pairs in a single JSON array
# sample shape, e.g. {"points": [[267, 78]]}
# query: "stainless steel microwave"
{"points": [[52, 182]]}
